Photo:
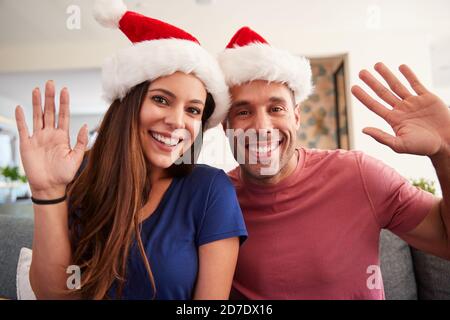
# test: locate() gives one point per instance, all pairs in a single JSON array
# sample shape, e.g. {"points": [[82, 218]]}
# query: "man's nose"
{"points": [[263, 122]]}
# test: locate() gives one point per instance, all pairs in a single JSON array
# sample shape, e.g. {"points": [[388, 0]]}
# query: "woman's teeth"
{"points": [[166, 140]]}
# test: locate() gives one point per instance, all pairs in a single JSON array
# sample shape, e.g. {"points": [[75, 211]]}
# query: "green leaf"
{"points": [[424, 184]]}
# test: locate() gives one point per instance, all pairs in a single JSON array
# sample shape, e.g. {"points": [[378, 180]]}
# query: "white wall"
{"points": [[7, 122]]}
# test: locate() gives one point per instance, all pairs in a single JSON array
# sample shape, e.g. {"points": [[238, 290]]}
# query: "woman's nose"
{"points": [[175, 117]]}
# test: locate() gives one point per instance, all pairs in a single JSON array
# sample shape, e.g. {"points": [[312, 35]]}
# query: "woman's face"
{"points": [[170, 117]]}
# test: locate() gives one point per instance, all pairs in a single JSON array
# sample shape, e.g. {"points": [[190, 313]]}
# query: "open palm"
{"points": [[420, 122], [49, 161]]}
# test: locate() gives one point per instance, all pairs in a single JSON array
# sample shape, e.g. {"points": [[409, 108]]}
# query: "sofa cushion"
{"points": [[24, 290], [397, 268], [432, 276], [15, 233]]}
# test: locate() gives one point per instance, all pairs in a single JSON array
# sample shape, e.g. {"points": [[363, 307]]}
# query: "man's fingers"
{"points": [[82, 141], [64, 112], [378, 88], [392, 81], [414, 82], [21, 125], [49, 105], [383, 137], [38, 121], [369, 102]]}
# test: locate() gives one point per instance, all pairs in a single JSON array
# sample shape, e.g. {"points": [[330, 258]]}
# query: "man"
{"points": [[314, 222]]}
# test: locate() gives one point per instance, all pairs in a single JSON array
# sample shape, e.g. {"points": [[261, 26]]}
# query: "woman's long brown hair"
{"points": [[108, 194]]}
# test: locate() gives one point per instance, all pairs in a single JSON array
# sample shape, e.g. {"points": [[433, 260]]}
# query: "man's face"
{"points": [[266, 111]]}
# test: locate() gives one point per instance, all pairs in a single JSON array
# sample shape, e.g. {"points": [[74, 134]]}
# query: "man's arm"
{"points": [[433, 233], [421, 124]]}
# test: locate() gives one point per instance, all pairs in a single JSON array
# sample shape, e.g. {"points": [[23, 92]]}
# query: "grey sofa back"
{"points": [[412, 274]]}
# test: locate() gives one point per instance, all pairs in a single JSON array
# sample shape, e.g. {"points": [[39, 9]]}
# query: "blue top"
{"points": [[196, 209]]}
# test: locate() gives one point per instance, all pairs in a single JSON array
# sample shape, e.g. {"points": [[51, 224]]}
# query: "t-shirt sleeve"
{"points": [[396, 203], [222, 217]]}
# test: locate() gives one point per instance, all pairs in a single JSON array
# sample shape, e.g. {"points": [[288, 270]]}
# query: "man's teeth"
{"points": [[166, 140], [265, 148]]}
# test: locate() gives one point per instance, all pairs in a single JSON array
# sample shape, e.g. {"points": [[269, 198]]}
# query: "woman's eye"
{"points": [[194, 111], [160, 100]]}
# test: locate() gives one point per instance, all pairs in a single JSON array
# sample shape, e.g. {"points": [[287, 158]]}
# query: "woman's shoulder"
{"points": [[207, 176], [204, 169]]}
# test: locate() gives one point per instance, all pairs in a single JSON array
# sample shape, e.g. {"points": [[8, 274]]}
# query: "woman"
{"points": [[140, 226]]}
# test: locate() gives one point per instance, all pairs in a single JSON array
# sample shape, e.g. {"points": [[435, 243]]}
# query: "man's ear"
{"points": [[297, 115]]}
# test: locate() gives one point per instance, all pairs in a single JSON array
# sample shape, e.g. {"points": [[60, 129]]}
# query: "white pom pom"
{"points": [[109, 12]]}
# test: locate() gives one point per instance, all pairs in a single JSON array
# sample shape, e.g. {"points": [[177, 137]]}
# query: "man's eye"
{"points": [[194, 111], [276, 109], [160, 100], [242, 113]]}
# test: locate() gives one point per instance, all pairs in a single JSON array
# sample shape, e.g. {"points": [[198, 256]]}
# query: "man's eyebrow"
{"points": [[243, 103], [277, 100], [240, 103]]}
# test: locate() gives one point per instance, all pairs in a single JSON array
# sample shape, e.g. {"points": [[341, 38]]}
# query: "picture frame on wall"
{"points": [[324, 116]]}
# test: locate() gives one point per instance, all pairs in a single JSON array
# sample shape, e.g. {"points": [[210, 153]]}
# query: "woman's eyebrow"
{"points": [[173, 96], [170, 94], [197, 101]]}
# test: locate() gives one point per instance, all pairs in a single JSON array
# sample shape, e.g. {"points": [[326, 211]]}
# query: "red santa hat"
{"points": [[249, 57], [159, 49]]}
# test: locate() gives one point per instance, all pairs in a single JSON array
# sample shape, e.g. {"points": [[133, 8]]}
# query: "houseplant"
{"points": [[13, 183]]}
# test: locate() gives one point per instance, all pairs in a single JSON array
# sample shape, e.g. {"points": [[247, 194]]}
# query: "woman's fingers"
{"points": [[21, 126], [38, 122], [414, 82], [49, 105], [392, 81], [379, 88], [82, 141], [64, 112]]}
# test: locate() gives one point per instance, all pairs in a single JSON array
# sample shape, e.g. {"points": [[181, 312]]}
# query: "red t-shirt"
{"points": [[315, 235]]}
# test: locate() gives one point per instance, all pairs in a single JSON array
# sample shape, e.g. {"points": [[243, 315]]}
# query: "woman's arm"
{"points": [[50, 165], [217, 262], [51, 251]]}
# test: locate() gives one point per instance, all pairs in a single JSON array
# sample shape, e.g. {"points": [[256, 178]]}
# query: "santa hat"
{"points": [[159, 49], [249, 57]]}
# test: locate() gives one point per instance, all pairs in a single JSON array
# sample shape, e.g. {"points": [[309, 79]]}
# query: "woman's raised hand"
{"points": [[50, 163]]}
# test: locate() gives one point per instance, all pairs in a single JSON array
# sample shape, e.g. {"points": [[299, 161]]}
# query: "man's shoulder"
{"points": [[234, 175], [318, 158], [334, 157]]}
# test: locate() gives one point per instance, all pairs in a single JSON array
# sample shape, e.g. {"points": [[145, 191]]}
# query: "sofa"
{"points": [[407, 273]]}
